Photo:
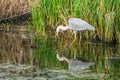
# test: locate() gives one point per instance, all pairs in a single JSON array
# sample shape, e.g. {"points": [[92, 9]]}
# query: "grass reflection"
{"points": [[45, 55], [106, 57]]}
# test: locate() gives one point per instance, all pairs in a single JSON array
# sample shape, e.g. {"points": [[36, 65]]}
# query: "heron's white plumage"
{"points": [[61, 28]]}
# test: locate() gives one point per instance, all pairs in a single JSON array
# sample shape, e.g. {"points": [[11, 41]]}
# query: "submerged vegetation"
{"points": [[102, 14]]}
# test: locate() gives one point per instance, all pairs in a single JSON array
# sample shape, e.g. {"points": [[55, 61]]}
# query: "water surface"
{"points": [[26, 58]]}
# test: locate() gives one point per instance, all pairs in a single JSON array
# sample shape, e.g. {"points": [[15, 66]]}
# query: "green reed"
{"points": [[102, 14], [38, 22]]}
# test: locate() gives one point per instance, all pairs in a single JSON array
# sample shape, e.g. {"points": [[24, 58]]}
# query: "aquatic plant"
{"points": [[102, 14]]}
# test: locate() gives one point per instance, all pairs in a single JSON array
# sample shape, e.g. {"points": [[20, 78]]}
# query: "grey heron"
{"points": [[75, 24], [74, 64]]}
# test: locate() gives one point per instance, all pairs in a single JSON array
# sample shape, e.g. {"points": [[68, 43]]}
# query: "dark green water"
{"points": [[56, 60]]}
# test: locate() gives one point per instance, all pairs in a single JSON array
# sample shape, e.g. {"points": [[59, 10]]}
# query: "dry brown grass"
{"points": [[12, 48], [9, 8]]}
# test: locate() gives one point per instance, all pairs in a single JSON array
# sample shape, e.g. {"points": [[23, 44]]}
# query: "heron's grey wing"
{"points": [[79, 24]]}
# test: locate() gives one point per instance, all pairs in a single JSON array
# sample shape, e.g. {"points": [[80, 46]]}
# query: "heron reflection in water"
{"points": [[75, 65], [75, 24]]}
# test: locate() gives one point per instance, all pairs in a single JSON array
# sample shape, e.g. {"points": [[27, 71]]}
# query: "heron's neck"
{"points": [[62, 58], [63, 28]]}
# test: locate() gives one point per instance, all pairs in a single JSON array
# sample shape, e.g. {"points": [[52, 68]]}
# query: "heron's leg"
{"points": [[75, 36]]}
